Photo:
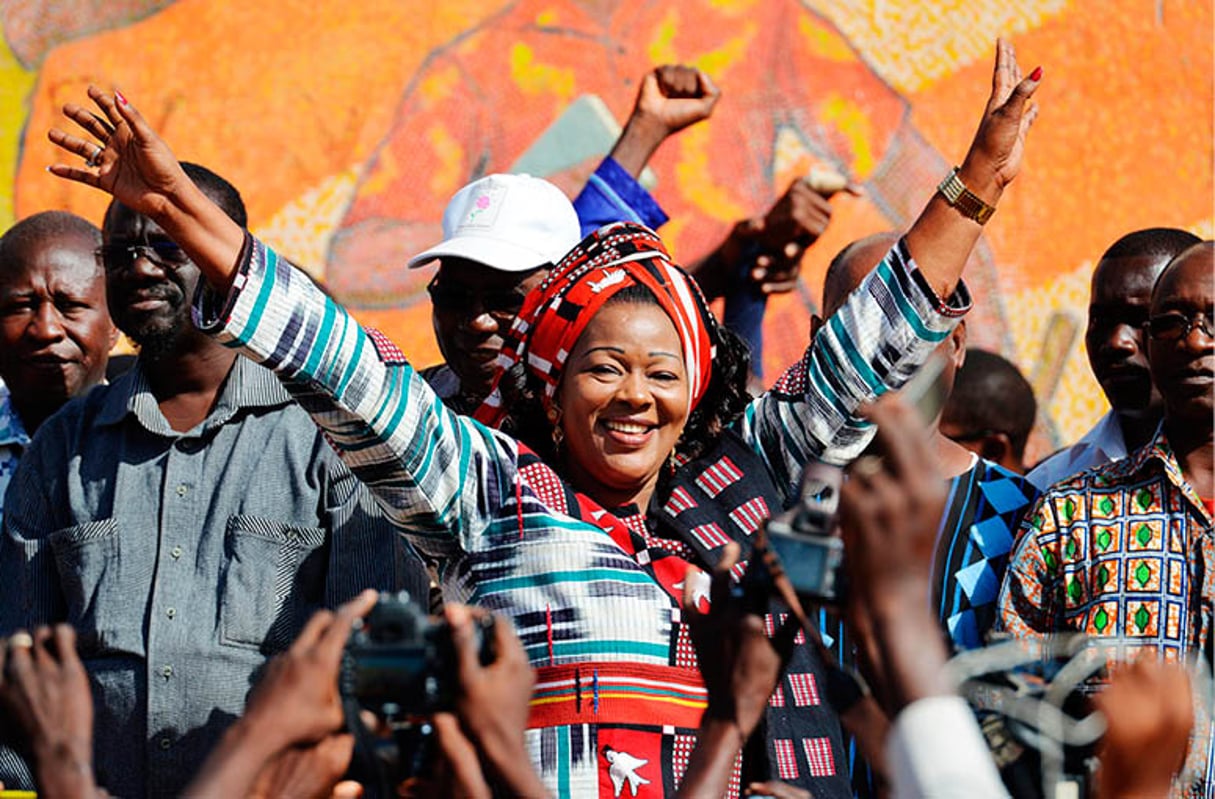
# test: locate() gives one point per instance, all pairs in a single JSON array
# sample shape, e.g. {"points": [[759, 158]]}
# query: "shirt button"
{"points": [[182, 489], [175, 552], [171, 613], [167, 671], [165, 743]]}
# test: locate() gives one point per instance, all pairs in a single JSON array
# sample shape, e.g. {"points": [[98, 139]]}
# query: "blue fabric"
{"points": [[745, 309], [613, 195]]}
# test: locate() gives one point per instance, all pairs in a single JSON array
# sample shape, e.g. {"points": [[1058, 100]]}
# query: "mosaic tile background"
{"points": [[348, 125]]}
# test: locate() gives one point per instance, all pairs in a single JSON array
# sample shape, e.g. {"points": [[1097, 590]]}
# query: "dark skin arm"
{"points": [[1148, 708], [782, 236], [670, 98], [494, 704]]}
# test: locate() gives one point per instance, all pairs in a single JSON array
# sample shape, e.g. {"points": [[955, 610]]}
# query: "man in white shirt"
{"points": [[1117, 352]]}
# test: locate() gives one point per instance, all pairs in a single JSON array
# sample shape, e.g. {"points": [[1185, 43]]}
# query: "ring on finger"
{"points": [[21, 640], [95, 158], [867, 466]]}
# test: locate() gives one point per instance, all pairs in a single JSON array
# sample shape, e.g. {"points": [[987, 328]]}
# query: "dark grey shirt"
{"points": [[184, 559]]}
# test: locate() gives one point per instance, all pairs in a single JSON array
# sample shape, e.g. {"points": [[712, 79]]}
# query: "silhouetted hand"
{"points": [[890, 508], [47, 707], [293, 719], [1148, 709], [495, 700]]}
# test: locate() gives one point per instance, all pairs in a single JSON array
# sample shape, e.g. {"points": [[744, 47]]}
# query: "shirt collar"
{"points": [[1106, 436], [1157, 454], [12, 431], [248, 385]]}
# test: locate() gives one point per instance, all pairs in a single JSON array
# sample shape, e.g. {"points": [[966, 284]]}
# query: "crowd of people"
{"points": [[580, 494]]}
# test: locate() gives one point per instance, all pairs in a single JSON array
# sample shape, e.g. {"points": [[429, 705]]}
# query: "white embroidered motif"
{"points": [[609, 279], [623, 766], [701, 582]]}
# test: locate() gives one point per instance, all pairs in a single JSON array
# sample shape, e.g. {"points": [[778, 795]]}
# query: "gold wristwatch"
{"points": [[968, 204]]}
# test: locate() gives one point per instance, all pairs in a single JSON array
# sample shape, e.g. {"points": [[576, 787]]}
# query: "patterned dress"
{"points": [[618, 696]]}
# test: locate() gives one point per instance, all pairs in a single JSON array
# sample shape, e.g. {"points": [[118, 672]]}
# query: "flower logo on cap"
{"points": [[482, 203]]}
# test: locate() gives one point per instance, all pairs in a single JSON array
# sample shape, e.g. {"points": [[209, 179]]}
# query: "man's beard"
{"points": [[159, 337]]}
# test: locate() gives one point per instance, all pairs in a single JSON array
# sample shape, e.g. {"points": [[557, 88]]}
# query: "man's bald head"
{"points": [[849, 267]]}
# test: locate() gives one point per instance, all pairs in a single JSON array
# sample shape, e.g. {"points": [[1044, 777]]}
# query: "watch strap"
{"points": [[967, 203]]}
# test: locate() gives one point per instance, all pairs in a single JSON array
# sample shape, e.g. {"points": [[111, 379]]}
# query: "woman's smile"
{"points": [[624, 402]]}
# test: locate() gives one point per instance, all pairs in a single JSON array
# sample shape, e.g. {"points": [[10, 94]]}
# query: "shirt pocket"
{"points": [[273, 578], [103, 589]]}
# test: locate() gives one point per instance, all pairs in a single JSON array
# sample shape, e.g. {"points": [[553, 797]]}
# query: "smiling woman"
{"points": [[624, 402], [588, 550]]}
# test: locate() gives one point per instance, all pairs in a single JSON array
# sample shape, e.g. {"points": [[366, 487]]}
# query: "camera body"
{"points": [[401, 662], [804, 539]]}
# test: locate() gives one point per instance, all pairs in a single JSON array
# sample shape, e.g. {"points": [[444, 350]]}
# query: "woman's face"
{"points": [[624, 403]]}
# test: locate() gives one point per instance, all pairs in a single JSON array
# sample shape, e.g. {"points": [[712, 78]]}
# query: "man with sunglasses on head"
{"points": [[187, 519], [55, 333], [1125, 551]]}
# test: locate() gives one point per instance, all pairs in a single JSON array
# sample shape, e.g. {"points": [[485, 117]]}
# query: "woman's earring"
{"points": [[554, 418], [673, 459]]}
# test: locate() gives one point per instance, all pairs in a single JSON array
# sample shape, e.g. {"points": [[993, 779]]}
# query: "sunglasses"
{"points": [[1175, 325], [122, 256], [502, 305]]}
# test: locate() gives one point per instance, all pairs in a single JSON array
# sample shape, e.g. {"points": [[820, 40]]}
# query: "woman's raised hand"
{"points": [[123, 155], [999, 143]]}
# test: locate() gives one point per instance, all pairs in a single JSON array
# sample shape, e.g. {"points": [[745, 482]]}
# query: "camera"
{"points": [[401, 662], [804, 539], [401, 665]]}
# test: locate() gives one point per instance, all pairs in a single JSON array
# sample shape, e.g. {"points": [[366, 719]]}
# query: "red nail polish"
{"points": [[123, 100], [1036, 75]]}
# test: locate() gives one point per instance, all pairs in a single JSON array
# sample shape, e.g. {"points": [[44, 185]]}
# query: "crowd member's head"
{"points": [[848, 269], [501, 235], [151, 281], [1181, 348], [55, 333], [991, 410], [1118, 307], [616, 364]]}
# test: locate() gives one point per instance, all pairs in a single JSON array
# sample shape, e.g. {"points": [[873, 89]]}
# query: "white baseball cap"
{"points": [[514, 223]]}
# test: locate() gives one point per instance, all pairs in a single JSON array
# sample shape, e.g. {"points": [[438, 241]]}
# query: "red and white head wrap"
{"points": [[553, 316]]}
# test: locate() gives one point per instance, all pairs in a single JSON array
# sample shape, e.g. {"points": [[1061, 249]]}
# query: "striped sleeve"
{"points": [[885, 330], [435, 473]]}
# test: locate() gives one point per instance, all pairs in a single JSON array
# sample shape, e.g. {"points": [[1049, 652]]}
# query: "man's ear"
{"points": [[958, 338], [114, 334], [997, 448]]}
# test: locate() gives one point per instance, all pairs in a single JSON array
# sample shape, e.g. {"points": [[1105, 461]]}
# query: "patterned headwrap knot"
{"points": [[606, 262]]}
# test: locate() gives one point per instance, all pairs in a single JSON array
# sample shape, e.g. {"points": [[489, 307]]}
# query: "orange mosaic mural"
{"points": [[348, 125]]}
